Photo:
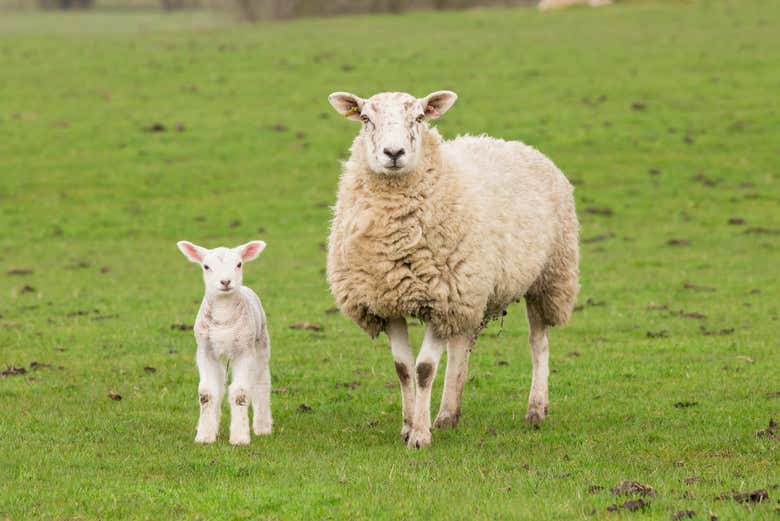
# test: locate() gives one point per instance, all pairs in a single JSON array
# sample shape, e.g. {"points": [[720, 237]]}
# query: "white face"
{"points": [[223, 268], [392, 126]]}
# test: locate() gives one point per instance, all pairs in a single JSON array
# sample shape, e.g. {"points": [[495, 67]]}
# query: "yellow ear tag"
{"points": [[351, 111]]}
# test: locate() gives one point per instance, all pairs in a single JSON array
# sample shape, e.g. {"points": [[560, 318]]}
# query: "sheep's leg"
{"points": [[427, 362], [458, 350], [211, 390], [404, 367], [244, 374], [262, 422], [540, 355]]}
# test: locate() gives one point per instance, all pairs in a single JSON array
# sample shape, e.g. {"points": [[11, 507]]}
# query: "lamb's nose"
{"points": [[225, 283], [394, 154]]}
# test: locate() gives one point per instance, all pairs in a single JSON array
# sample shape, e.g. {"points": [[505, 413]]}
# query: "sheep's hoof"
{"points": [[263, 427], [446, 420], [419, 438], [205, 438], [536, 415], [240, 439], [406, 430]]}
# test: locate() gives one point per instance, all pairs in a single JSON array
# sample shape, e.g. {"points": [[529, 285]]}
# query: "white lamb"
{"points": [[450, 232], [231, 327]]}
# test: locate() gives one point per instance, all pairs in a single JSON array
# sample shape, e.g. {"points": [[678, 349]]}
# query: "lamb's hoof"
{"points": [[419, 438], [205, 438], [240, 439], [264, 428], [406, 431], [536, 415], [446, 420]]}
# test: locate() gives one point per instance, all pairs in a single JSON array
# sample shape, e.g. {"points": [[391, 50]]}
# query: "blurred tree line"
{"points": [[252, 10]]}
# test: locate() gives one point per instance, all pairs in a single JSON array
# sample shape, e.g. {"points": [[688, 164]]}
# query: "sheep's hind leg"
{"points": [[211, 389], [262, 421], [403, 356], [540, 356], [458, 350], [427, 362]]}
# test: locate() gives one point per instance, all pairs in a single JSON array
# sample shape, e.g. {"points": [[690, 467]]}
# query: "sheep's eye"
{"points": [[420, 118], [239, 265], [205, 267], [364, 118]]}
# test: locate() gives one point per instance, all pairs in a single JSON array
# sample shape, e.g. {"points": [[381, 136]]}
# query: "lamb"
{"points": [[231, 328], [451, 233]]}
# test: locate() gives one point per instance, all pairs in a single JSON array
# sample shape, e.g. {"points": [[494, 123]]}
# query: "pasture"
{"points": [[123, 132]]}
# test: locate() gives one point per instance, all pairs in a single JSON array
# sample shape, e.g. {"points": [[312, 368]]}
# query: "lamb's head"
{"points": [[222, 267], [393, 125]]}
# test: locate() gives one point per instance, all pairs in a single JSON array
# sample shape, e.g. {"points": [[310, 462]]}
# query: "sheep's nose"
{"points": [[394, 154], [225, 283]]}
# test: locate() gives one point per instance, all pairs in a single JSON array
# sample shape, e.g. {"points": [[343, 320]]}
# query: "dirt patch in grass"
{"points": [[307, 326], [13, 371], [756, 496], [685, 405], [20, 271], [696, 287], [181, 327], [771, 431], [716, 332], [633, 505], [632, 488]]}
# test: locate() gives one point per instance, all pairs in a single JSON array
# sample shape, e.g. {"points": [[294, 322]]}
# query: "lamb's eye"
{"points": [[205, 267], [238, 265], [420, 118], [364, 118]]}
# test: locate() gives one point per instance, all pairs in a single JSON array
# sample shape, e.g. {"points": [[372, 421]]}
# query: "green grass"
{"points": [[93, 204]]}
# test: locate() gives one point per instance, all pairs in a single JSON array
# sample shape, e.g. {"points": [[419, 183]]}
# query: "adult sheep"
{"points": [[451, 233]]}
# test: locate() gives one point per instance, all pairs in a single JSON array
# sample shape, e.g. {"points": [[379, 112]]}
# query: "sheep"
{"points": [[451, 233], [231, 328], [545, 5]]}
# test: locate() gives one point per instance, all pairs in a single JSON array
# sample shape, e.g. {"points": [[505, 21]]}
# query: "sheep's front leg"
{"points": [[404, 367], [540, 356], [211, 390], [458, 350], [262, 422], [245, 372], [427, 362]]}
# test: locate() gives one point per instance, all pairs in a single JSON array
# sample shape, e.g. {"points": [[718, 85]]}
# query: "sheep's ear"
{"points": [[437, 103], [193, 252], [346, 104], [250, 250]]}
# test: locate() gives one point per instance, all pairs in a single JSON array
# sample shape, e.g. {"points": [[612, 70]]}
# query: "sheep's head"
{"points": [[393, 123], [222, 267]]}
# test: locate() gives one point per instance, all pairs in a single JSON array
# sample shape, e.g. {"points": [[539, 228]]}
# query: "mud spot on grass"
{"points": [[595, 489], [736, 221], [303, 408], [704, 180], [690, 480], [695, 287], [683, 514], [573, 354], [773, 394], [280, 127], [631, 488], [78, 265], [685, 405], [756, 496], [37, 366], [770, 432], [155, 127], [638, 105], [658, 307], [105, 269], [234, 223], [20, 271], [307, 326], [760, 230], [149, 369], [114, 396], [716, 332], [502, 362], [691, 314], [632, 506], [603, 211], [678, 242], [27, 289], [349, 385], [598, 238], [181, 327], [13, 371], [658, 334], [331, 310]]}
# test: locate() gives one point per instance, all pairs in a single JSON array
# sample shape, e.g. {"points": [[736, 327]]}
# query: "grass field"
{"points": [[665, 115]]}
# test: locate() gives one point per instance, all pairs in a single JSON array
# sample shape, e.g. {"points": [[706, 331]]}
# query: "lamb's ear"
{"points": [[193, 252], [437, 103], [250, 250], [346, 104]]}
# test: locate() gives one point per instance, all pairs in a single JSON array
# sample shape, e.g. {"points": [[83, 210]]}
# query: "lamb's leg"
{"points": [[404, 368], [262, 423], [540, 355], [427, 362], [244, 374], [210, 393], [458, 350]]}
